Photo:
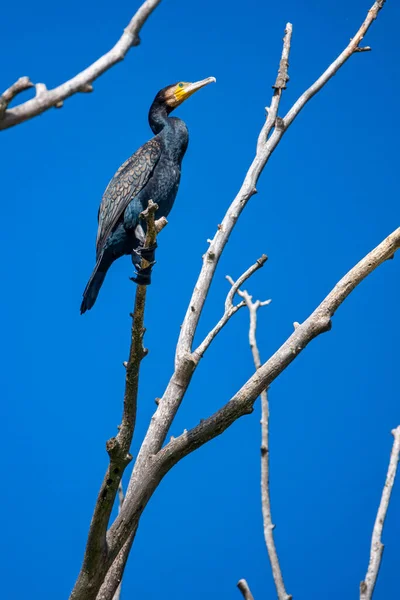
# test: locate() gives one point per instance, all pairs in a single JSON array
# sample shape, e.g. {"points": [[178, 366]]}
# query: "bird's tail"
{"points": [[94, 284]]}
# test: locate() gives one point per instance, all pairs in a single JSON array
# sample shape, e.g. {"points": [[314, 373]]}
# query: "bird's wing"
{"points": [[127, 182]]}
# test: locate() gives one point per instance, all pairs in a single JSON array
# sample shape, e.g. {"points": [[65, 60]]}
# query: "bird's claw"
{"points": [[143, 276], [148, 252]]}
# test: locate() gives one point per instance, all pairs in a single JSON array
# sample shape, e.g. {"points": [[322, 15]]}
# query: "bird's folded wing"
{"points": [[127, 182]]}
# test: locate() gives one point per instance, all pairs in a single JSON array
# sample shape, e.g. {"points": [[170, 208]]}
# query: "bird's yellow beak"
{"points": [[184, 89]]}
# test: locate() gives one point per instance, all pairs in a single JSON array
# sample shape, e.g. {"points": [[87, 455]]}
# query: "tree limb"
{"points": [[265, 147], [265, 493], [368, 585], [118, 447], [82, 82]]}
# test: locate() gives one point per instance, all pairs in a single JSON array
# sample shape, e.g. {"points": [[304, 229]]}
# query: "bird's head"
{"points": [[173, 95]]}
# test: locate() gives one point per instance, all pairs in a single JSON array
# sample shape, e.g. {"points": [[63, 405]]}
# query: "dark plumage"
{"points": [[152, 173]]}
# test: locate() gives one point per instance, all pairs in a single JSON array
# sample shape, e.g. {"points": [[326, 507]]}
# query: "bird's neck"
{"points": [[158, 117], [174, 136]]}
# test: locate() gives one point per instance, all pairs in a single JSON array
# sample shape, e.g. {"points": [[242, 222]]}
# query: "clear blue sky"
{"points": [[329, 194]]}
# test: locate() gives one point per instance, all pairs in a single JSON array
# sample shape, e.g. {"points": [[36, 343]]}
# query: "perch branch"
{"points": [[368, 585], [230, 308], [245, 590], [185, 362], [82, 82], [118, 447], [265, 493]]}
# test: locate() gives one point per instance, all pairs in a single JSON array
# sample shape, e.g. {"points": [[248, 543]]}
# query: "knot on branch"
{"points": [[116, 453]]}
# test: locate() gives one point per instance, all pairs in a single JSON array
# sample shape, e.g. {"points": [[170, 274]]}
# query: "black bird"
{"points": [[152, 173]]}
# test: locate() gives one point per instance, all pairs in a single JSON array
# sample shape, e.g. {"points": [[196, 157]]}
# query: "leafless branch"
{"points": [[230, 308], [154, 460], [244, 588], [118, 447], [82, 82], [368, 585], [265, 147], [265, 494]]}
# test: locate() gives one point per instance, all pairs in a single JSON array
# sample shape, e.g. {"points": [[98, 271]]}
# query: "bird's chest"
{"points": [[164, 185]]}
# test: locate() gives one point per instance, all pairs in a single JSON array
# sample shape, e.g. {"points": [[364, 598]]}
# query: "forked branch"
{"points": [[230, 308], [82, 82]]}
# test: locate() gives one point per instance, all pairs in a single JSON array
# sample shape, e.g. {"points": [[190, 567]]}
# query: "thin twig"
{"points": [[118, 447], [230, 308], [265, 493], [82, 82], [368, 585], [244, 588]]}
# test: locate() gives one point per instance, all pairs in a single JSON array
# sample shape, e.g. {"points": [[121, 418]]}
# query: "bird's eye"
{"points": [[181, 85]]}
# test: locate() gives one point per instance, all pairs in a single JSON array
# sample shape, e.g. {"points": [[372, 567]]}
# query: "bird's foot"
{"points": [[143, 276], [148, 253]]}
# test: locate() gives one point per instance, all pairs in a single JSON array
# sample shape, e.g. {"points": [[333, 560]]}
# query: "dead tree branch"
{"points": [[368, 585], [265, 493], [154, 460], [118, 447], [82, 82], [230, 308]]}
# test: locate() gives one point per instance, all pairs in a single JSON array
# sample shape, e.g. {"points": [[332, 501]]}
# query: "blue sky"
{"points": [[328, 195]]}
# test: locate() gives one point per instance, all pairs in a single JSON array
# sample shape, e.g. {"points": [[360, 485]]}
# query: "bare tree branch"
{"points": [[118, 447], [154, 461], [230, 308], [82, 82], [352, 48], [244, 588], [368, 585], [265, 148], [318, 322], [265, 493]]}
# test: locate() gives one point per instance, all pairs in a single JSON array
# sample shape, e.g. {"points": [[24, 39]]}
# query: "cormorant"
{"points": [[152, 173]]}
